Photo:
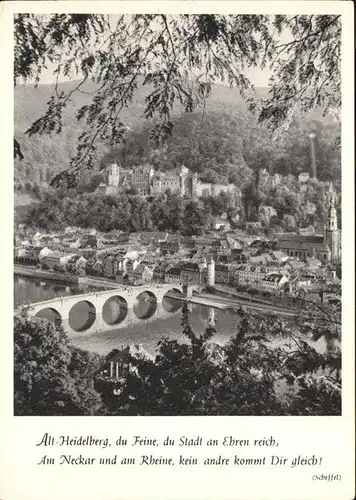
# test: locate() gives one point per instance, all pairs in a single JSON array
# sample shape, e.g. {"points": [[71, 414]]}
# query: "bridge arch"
{"points": [[51, 314], [172, 300], [114, 310], [145, 305], [82, 315]]}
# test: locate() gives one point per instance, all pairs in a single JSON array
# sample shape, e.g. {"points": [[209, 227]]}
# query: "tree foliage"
{"points": [[178, 58], [126, 212], [248, 376], [50, 378]]}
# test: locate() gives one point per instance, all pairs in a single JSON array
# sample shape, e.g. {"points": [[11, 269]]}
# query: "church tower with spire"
{"points": [[331, 232]]}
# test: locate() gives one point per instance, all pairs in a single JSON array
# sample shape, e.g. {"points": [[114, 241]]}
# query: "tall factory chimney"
{"points": [[312, 156]]}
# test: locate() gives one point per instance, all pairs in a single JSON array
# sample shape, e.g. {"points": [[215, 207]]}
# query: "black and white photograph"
{"points": [[177, 215]]}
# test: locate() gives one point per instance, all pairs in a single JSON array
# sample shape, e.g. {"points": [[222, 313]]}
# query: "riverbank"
{"points": [[66, 279], [225, 303], [33, 272]]}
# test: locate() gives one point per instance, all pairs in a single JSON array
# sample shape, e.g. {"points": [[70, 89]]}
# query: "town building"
{"points": [[273, 282], [267, 278], [193, 273], [172, 275], [170, 245], [55, 260], [326, 247], [111, 264], [141, 274], [303, 247], [223, 274], [121, 277]]}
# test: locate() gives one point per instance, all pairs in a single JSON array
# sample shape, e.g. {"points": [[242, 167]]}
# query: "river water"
{"points": [[29, 290]]}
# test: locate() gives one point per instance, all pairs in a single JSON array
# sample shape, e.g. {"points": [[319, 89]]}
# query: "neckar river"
{"points": [[28, 290]]}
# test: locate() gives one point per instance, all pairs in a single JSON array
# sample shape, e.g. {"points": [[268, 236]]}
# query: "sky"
{"points": [[257, 76]]}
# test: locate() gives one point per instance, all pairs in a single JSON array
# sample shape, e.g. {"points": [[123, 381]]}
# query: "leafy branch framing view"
{"points": [[178, 59]]}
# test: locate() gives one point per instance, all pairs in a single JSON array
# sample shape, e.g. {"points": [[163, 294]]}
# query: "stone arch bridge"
{"points": [[109, 309]]}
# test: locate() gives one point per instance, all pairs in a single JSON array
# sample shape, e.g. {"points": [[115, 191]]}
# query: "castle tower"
{"points": [[211, 272], [181, 184], [331, 232], [114, 175], [194, 185], [158, 183]]}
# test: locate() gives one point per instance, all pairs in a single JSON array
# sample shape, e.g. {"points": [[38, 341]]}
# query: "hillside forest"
{"points": [[214, 142]]}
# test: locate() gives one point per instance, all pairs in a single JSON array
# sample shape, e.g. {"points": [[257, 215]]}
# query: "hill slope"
{"points": [[47, 155]]}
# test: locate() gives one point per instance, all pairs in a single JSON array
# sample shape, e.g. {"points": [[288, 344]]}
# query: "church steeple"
{"points": [[331, 221], [331, 232]]}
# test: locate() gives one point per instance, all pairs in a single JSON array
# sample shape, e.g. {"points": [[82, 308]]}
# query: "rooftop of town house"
{"points": [[56, 254], [174, 271], [313, 262], [256, 242], [306, 231], [162, 265], [203, 241], [249, 268], [174, 238], [132, 255], [279, 255], [253, 224], [313, 238], [141, 268], [314, 287], [236, 251], [256, 259], [304, 245], [273, 277], [181, 263], [307, 275], [153, 235], [221, 267], [222, 259], [294, 265], [113, 257], [190, 266], [188, 241], [149, 263]]}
